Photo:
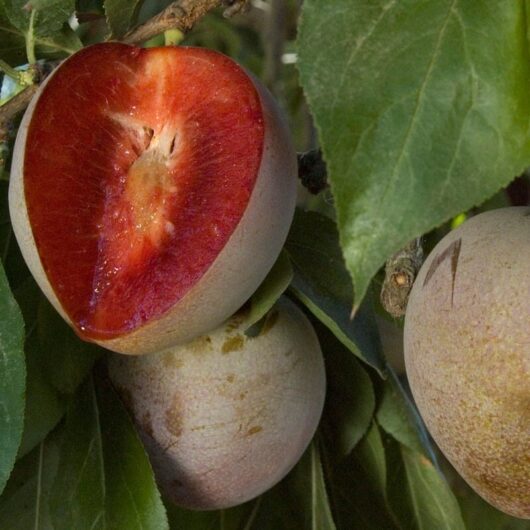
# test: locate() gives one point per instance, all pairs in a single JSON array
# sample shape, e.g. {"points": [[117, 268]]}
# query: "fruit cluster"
{"points": [[151, 192]]}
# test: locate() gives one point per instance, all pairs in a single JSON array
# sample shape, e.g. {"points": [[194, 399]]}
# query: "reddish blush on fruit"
{"points": [[151, 192]]}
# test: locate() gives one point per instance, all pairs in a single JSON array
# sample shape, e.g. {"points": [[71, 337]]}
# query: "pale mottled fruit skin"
{"points": [[227, 416], [237, 271], [467, 353]]}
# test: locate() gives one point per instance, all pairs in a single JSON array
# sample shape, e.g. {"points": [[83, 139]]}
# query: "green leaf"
{"points": [[61, 43], [89, 6], [12, 44], [416, 123], [398, 416], [270, 290], [321, 517], [353, 453], [44, 406], [77, 496], [371, 456], [51, 15], [278, 508], [418, 494], [434, 503], [14, 14], [308, 490], [121, 15], [68, 360], [236, 518], [12, 379], [420, 498], [350, 398], [50, 33], [104, 478], [357, 484], [132, 499], [24, 503], [322, 283]]}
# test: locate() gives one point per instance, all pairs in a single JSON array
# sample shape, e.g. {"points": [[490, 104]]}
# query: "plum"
{"points": [[151, 191], [467, 353], [226, 416]]}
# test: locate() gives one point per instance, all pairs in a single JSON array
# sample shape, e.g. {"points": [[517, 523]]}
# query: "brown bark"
{"points": [[14, 106], [400, 272], [182, 15]]}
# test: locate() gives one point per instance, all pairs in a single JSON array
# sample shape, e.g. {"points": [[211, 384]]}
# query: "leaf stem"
{"points": [[30, 39]]}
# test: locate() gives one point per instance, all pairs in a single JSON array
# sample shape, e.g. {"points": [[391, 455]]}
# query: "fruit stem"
{"points": [[173, 37]]}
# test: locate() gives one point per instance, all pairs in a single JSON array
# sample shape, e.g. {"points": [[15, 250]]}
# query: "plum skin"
{"points": [[227, 416], [237, 270], [467, 353]]}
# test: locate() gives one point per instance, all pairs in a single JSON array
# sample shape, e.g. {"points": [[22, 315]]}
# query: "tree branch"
{"points": [[11, 108], [400, 272], [182, 15]]}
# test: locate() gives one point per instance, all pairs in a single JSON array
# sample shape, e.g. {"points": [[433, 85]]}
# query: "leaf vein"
{"points": [[360, 43], [419, 100], [39, 487]]}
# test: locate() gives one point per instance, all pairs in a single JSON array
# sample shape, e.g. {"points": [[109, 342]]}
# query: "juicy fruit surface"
{"points": [[139, 164], [467, 353], [225, 417]]}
